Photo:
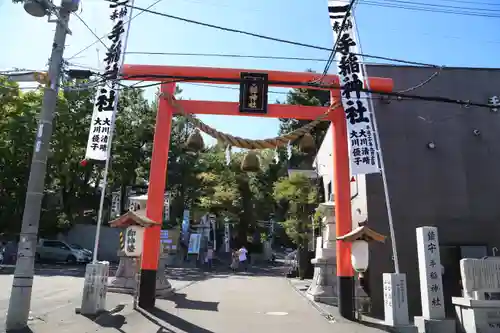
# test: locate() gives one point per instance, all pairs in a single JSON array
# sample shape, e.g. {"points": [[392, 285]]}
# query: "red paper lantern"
{"points": [[84, 162]]}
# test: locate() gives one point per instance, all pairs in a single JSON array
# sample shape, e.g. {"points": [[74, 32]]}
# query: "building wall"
{"points": [[454, 186], [324, 166], [84, 235]]}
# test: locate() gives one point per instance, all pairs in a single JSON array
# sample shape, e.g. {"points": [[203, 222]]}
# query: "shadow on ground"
{"points": [[164, 319], [182, 302]]}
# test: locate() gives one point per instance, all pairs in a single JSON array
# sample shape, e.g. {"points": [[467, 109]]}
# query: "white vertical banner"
{"points": [[116, 198], [105, 104], [360, 129], [166, 206]]}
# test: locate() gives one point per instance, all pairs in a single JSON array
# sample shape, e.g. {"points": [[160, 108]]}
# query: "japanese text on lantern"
{"points": [[363, 154], [107, 94]]}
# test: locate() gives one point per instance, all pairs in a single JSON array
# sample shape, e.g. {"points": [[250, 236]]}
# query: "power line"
{"points": [[473, 2], [91, 31], [312, 86], [280, 40], [99, 39], [413, 3], [226, 55], [422, 8]]}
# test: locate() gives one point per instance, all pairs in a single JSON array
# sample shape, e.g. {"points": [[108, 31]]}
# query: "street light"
{"points": [[36, 8]]}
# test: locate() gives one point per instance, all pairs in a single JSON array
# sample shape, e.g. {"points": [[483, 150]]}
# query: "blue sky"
{"points": [[443, 39]]}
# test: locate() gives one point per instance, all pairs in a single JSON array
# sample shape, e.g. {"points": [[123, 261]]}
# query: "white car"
{"points": [[59, 251]]}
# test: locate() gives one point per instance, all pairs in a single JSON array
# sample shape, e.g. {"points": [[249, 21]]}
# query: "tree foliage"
{"points": [[300, 194], [202, 182]]}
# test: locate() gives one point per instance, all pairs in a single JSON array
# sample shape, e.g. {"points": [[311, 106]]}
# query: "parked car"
{"points": [[59, 251], [79, 247]]}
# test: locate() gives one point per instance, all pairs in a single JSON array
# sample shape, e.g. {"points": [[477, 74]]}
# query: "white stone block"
{"points": [[95, 288], [395, 299]]}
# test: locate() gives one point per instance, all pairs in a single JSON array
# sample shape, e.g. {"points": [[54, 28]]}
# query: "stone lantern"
{"points": [[324, 285], [125, 280]]}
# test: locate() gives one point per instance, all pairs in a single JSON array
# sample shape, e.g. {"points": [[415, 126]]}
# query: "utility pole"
{"points": [[20, 298]]}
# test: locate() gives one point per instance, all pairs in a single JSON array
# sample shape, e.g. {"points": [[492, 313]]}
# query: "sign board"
{"points": [[395, 299], [134, 241], [253, 93], [169, 240], [194, 244]]}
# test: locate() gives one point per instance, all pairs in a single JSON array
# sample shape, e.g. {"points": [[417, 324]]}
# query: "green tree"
{"points": [[300, 194], [307, 97]]}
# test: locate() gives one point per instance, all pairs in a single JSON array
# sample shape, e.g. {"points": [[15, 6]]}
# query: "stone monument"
{"points": [[95, 288], [478, 311], [433, 317], [324, 285]]}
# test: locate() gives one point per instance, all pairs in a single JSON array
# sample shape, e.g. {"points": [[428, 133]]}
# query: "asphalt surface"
{"points": [[204, 302]]}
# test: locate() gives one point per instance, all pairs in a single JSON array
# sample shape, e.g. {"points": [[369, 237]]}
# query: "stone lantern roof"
{"points": [[132, 218]]}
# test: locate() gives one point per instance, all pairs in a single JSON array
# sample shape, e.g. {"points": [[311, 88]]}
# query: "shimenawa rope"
{"points": [[236, 141]]}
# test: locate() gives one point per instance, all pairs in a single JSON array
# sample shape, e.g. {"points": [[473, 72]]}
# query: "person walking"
{"points": [[234, 260], [209, 257], [243, 257]]}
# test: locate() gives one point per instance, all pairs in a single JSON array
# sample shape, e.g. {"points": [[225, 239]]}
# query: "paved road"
{"points": [[219, 303], [58, 288]]}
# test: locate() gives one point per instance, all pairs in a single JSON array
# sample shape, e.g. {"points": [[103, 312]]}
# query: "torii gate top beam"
{"points": [[201, 75]]}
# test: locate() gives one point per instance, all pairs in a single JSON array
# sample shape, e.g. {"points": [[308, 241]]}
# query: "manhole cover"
{"points": [[276, 313]]}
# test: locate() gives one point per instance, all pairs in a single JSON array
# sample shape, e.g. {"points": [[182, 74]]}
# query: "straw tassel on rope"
{"points": [[250, 162], [195, 141], [306, 144]]}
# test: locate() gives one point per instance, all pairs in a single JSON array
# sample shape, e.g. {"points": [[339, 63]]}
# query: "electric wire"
{"points": [[280, 40], [413, 3], [431, 77], [440, 99], [417, 7], [104, 36], [89, 29], [409, 62]]}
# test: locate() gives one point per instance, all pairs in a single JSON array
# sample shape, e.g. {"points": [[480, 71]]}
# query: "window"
{"points": [[329, 191]]}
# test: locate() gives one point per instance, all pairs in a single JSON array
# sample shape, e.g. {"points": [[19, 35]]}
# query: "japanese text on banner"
{"points": [[107, 94], [363, 153]]}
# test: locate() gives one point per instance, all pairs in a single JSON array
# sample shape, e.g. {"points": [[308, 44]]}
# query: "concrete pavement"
{"points": [[219, 303], [57, 290]]}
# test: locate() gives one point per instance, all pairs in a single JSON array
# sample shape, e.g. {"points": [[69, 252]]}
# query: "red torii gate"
{"points": [[161, 144]]}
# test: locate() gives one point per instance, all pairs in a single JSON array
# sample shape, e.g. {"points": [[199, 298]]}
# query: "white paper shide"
{"points": [[107, 93], [363, 153]]}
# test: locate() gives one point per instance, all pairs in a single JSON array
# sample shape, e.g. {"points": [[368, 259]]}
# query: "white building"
{"points": [[323, 163]]}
